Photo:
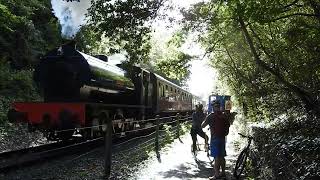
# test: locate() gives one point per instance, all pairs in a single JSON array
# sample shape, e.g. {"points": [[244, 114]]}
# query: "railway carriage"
{"points": [[80, 90]]}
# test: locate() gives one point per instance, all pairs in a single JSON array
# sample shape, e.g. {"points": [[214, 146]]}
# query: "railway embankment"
{"points": [[15, 137], [16, 86], [127, 158]]}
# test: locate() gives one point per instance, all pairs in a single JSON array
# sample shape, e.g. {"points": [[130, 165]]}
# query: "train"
{"points": [[80, 90]]}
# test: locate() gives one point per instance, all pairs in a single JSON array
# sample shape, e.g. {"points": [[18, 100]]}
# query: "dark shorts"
{"points": [[218, 147], [197, 131]]}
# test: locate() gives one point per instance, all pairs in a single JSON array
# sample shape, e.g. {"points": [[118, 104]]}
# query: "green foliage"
{"points": [[175, 65], [266, 51], [126, 24], [167, 60], [15, 86], [296, 150], [91, 42], [27, 30]]}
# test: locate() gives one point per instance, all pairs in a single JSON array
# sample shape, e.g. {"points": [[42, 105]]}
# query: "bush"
{"points": [[15, 86], [289, 149]]}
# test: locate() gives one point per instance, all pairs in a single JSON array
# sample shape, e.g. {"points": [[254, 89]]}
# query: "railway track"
{"points": [[13, 160], [18, 159]]}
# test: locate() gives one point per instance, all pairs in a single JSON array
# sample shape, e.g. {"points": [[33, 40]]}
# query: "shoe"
{"points": [[214, 177], [221, 176]]}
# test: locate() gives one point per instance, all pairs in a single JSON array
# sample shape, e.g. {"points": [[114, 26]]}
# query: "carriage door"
{"points": [[146, 88]]}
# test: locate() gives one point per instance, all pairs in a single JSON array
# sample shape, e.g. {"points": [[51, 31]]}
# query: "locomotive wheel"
{"points": [[88, 132], [98, 126], [66, 123], [96, 129]]}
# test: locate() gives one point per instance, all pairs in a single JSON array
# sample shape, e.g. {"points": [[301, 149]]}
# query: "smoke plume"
{"points": [[71, 15]]}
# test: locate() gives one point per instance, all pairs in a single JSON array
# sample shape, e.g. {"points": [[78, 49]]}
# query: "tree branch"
{"points": [[306, 98], [291, 4], [294, 14]]}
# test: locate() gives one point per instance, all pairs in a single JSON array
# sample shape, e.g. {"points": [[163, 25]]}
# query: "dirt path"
{"points": [[177, 161]]}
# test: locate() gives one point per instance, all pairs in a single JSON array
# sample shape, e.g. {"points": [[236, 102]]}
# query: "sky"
{"points": [[72, 15], [203, 78]]}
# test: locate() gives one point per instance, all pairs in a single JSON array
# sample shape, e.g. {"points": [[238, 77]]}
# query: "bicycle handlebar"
{"points": [[249, 137]]}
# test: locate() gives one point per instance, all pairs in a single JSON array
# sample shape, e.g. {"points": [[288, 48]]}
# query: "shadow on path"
{"points": [[190, 170]]}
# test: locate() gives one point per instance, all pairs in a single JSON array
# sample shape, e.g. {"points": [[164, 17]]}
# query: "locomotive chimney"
{"points": [[71, 45]]}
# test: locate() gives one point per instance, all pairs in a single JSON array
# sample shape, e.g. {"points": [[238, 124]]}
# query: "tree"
{"points": [[169, 61], [266, 51], [27, 30], [126, 24]]}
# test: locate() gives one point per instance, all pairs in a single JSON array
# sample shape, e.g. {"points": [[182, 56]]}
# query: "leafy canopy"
{"points": [[266, 51]]}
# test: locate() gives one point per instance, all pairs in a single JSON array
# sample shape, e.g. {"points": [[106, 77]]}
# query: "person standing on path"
{"points": [[219, 129], [197, 118]]}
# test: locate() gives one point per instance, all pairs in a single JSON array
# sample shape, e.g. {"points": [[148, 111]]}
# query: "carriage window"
{"points": [[167, 93], [163, 92], [159, 89]]}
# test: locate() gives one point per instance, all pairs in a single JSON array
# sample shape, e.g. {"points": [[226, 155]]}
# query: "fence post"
{"points": [[178, 125], [108, 147], [157, 136]]}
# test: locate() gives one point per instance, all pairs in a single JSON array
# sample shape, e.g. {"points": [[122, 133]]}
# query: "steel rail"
{"points": [[21, 158]]}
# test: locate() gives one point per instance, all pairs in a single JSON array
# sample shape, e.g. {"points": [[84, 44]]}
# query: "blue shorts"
{"points": [[218, 147]]}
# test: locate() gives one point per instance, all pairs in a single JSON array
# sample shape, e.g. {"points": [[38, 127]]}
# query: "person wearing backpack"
{"points": [[219, 129]]}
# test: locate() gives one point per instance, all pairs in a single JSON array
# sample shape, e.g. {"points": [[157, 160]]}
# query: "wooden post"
{"points": [[156, 143], [108, 146], [178, 125]]}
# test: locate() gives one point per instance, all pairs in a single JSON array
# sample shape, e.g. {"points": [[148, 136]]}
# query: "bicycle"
{"points": [[206, 148], [242, 158]]}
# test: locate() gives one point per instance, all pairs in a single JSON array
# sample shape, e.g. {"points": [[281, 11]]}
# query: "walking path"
{"points": [[177, 162]]}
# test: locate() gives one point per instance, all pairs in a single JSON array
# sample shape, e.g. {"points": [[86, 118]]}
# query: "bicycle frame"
{"points": [[249, 138], [242, 158]]}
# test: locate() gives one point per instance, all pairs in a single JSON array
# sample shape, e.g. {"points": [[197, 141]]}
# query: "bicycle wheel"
{"points": [[240, 164]]}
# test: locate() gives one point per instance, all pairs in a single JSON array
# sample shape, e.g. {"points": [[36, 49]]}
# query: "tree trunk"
{"points": [[306, 98]]}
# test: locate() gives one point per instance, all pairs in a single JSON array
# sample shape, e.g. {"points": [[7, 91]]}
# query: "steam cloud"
{"points": [[71, 15]]}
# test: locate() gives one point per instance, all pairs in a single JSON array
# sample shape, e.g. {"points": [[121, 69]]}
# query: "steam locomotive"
{"points": [[80, 90]]}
